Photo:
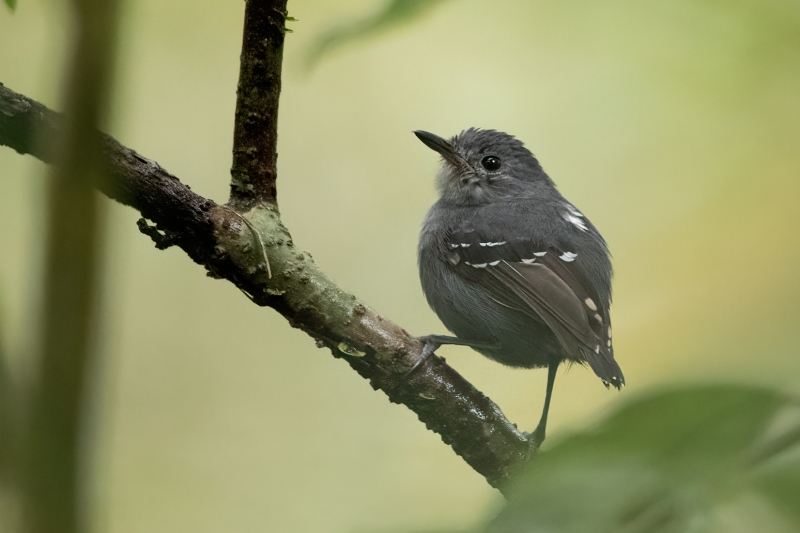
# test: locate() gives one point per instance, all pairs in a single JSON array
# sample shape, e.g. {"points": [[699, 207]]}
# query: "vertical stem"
{"points": [[255, 133], [6, 395], [51, 479]]}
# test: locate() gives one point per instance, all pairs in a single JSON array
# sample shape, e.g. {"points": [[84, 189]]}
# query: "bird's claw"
{"points": [[431, 343]]}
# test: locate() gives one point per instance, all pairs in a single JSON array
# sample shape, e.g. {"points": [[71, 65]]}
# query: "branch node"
{"points": [[256, 237]]}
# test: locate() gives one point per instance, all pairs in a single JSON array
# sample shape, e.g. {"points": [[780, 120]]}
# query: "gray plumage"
{"points": [[509, 265]]}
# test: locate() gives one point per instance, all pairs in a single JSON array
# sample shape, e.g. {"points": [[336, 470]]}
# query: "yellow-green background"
{"points": [[675, 126]]}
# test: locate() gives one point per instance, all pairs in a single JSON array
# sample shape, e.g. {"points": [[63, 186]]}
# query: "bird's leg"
{"points": [[439, 340], [538, 434], [431, 343]]}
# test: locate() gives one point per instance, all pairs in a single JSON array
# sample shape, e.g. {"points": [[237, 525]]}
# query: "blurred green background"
{"points": [[674, 126]]}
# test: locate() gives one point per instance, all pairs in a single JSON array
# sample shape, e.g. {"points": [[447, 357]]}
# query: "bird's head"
{"points": [[483, 166]]}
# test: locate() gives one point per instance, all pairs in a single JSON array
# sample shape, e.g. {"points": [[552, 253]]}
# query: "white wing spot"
{"points": [[454, 245], [567, 256], [577, 222], [481, 265], [590, 304], [609, 332], [463, 245], [597, 349], [598, 318], [494, 263], [575, 217], [529, 261], [540, 254], [609, 343], [490, 244]]}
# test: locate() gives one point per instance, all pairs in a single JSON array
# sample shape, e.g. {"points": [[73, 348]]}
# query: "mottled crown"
{"points": [[474, 143]]}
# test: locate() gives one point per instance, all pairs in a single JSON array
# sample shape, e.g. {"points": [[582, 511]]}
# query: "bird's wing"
{"points": [[546, 284]]}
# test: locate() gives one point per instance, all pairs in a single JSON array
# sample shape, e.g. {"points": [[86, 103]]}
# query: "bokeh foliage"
{"points": [[685, 460], [668, 462], [391, 14]]}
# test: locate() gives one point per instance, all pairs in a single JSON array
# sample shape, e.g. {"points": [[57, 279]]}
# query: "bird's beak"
{"points": [[437, 144]]}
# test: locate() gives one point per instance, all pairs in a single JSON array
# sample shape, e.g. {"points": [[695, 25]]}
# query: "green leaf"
{"points": [[663, 464], [777, 466], [12, 5], [391, 15], [782, 489]]}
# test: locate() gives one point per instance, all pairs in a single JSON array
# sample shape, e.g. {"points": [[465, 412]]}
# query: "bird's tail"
{"points": [[606, 368]]}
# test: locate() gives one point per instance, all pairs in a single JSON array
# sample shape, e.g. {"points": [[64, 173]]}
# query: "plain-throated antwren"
{"points": [[510, 266]]}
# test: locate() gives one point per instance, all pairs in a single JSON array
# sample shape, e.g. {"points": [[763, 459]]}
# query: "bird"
{"points": [[511, 267]]}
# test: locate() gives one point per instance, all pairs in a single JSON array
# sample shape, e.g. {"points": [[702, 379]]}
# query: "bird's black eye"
{"points": [[490, 163]]}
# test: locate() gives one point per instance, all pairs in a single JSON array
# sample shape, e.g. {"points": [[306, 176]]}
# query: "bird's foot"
{"points": [[429, 346], [431, 343], [537, 437]]}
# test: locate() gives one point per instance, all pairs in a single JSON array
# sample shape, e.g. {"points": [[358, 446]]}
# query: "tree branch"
{"points": [[250, 247], [255, 132]]}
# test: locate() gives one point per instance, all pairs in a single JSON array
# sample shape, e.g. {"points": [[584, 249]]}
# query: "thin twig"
{"points": [[255, 133]]}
